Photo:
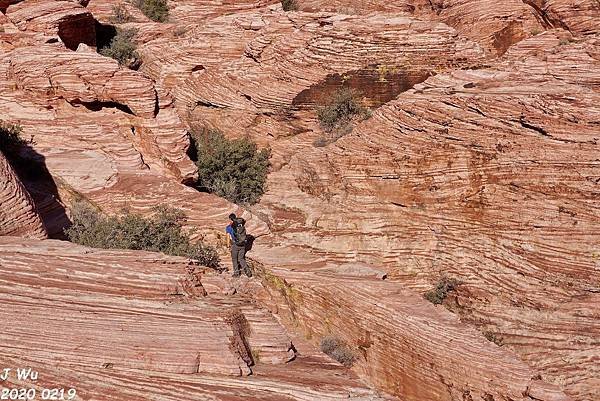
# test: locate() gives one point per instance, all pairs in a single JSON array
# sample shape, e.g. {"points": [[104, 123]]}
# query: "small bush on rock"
{"points": [[234, 169], [444, 286], [337, 115], [289, 5], [156, 10], [493, 337], [338, 350], [120, 15], [10, 137], [122, 48], [162, 232]]}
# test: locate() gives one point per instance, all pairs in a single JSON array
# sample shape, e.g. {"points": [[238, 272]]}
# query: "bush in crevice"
{"points": [[123, 48], [162, 232], [289, 5], [493, 337], [11, 138], [234, 169], [443, 287], [338, 350], [156, 10], [337, 115], [120, 15]]}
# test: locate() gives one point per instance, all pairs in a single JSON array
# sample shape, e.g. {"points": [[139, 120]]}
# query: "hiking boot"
{"points": [[236, 274], [248, 272]]}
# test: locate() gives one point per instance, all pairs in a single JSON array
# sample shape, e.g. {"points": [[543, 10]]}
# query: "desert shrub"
{"points": [[156, 10], [340, 110], [289, 5], [162, 232], [338, 350], [491, 336], [234, 169], [122, 47], [10, 138], [120, 15], [444, 286]]}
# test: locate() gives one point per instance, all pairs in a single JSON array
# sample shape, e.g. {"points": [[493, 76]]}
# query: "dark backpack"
{"points": [[239, 232]]}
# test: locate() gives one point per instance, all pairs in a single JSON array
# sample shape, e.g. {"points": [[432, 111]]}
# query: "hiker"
{"points": [[237, 239]]}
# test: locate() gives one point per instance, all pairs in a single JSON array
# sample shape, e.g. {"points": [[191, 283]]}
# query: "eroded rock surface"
{"points": [[479, 163], [488, 176], [67, 20], [98, 314], [19, 216]]}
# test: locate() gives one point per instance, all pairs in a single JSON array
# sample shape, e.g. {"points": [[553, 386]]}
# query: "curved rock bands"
{"points": [[121, 322], [71, 22], [18, 215], [82, 77], [402, 343], [489, 176]]}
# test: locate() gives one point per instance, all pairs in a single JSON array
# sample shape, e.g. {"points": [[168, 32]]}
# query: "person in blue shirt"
{"points": [[236, 239]]}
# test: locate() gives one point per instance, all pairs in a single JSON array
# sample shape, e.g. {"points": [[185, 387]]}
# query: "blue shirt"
{"points": [[229, 230]]}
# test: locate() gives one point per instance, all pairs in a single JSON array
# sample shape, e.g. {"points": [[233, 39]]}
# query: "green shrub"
{"points": [[491, 336], [10, 138], [156, 10], [122, 48], [341, 109], [338, 350], [120, 15], [162, 232], [444, 286], [337, 115], [232, 168], [289, 5]]}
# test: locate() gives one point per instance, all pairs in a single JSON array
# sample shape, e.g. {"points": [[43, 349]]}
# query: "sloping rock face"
{"points": [[118, 320], [82, 78], [403, 344], [266, 82], [18, 215], [479, 163], [71, 22], [488, 176]]}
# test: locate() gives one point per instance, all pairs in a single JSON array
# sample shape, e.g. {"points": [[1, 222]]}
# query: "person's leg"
{"points": [[234, 260], [242, 260]]}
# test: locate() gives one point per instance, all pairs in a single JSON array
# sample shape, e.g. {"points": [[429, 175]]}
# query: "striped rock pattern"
{"points": [[402, 344], [18, 215], [119, 321], [489, 176], [66, 20], [79, 77]]}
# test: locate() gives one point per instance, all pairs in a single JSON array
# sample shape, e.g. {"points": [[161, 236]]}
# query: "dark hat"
{"points": [[232, 216]]}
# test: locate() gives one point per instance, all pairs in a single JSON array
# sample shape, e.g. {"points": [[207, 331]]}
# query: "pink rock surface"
{"points": [[81, 77], [473, 165], [118, 321], [67, 20], [484, 175], [18, 215]]}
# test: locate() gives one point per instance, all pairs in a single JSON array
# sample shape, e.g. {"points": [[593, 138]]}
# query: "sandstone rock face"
{"points": [[479, 163], [69, 21], [18, 215], [116, 322], [402, 343], [82, 78], [484, 175]]}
